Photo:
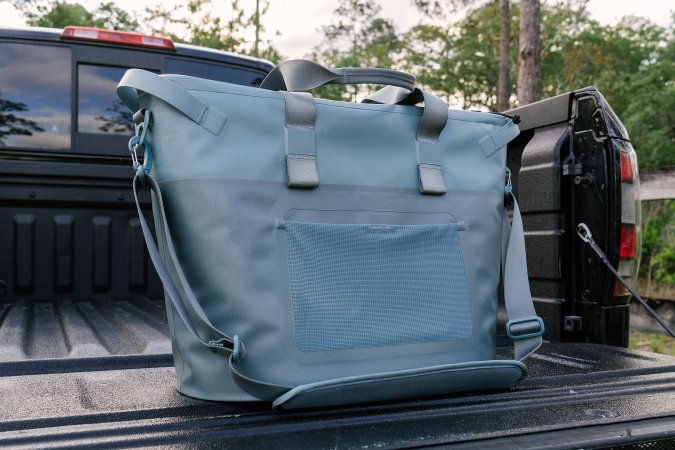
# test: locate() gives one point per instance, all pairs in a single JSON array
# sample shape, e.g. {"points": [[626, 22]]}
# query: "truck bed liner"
{"points": [[115, 388], [33, 330]]}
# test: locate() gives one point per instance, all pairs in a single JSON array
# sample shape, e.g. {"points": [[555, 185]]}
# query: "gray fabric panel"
{"points": [[169, 286], [300, 110], [430, 168], [431, 179], [207, 381], [302, 171], [405, 384], [300, 114]]}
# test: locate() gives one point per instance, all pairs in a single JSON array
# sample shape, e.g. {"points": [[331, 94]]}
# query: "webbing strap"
{"points": [[433, 121], [502, 136], [300, 140], [523, 320], [218, 339]]}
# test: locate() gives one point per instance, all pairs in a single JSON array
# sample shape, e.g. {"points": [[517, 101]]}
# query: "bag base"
{"points": [[424, 382]]}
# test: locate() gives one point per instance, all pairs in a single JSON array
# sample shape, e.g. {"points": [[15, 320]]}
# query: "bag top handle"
{"points": [[304, 75]]}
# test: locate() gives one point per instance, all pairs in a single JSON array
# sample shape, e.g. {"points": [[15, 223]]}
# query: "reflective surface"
{"points": [[99, 109], [35, 96], [213, 72]]}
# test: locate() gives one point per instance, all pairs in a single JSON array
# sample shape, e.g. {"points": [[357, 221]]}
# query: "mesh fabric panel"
{"points": [[362, 285]]}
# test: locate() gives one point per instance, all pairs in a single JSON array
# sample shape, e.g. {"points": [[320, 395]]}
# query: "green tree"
{"points": [[658, 243], [649, 110], [12, 124], [201, 22], [459, 60], [358, 36], [631, 63], [112, 17], [59, 14]]}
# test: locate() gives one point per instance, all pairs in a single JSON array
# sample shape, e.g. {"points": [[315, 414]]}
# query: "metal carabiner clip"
{"points": [[584, 233], [508, 188]]}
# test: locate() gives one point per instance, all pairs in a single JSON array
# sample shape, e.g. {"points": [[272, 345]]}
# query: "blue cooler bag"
{"points": [[318, 252]]}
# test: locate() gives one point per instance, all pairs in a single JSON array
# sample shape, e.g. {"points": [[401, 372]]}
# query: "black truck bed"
{"points": [[99, 373]]}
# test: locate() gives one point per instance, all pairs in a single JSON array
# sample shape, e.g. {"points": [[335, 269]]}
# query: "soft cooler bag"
{"points": [[317, 252]]}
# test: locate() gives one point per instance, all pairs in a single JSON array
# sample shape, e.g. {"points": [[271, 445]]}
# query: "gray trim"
{"points": [[300, 142]]}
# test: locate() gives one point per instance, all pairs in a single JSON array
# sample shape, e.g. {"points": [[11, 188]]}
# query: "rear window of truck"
{"points": [[213, 72], [99, 110], [35, 96], [38, 105]]}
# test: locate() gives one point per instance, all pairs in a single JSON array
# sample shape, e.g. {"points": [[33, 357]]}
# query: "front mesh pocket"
{"points": [[363, 285]]}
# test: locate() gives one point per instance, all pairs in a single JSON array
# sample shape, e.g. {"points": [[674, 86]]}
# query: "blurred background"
{"points": [[477, 54]]}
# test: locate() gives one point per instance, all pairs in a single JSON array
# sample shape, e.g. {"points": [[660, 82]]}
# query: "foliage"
{"points": [[658, 241], [631, 63], [650, 116], [358, 36], [197, 22], [652, 342], [59, 14], [460, 60], [12, 125], [201, 22]]}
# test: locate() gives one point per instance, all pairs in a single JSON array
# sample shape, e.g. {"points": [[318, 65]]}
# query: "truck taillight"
{"points": [[117, 37], [628, 242], [629, 239], [627, 163]]}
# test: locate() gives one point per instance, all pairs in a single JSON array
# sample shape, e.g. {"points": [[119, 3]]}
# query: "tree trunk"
{"points": [[529, 52], [256, 43], [504, 87]]}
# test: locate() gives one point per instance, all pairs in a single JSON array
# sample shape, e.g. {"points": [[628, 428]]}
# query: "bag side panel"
{"points": [[234, 254]]}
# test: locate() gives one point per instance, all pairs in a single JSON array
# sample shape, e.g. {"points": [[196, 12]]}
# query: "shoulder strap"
{"points": [[524, 327], [217, 339], [135, 80]]}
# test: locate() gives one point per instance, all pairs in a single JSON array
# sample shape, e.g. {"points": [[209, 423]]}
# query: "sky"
{"points": [[298, 21]]}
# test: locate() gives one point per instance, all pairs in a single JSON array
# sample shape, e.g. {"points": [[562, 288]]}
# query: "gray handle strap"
{"points": [[432, 123], [522, 327], [135, 80], [435, 113], [304, 75]]}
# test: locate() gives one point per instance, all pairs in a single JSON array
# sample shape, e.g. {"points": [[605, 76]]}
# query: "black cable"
{"points": [[585, 235]]}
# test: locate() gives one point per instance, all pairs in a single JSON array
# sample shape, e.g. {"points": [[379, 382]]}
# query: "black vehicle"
{"points": [[85, 353]]}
